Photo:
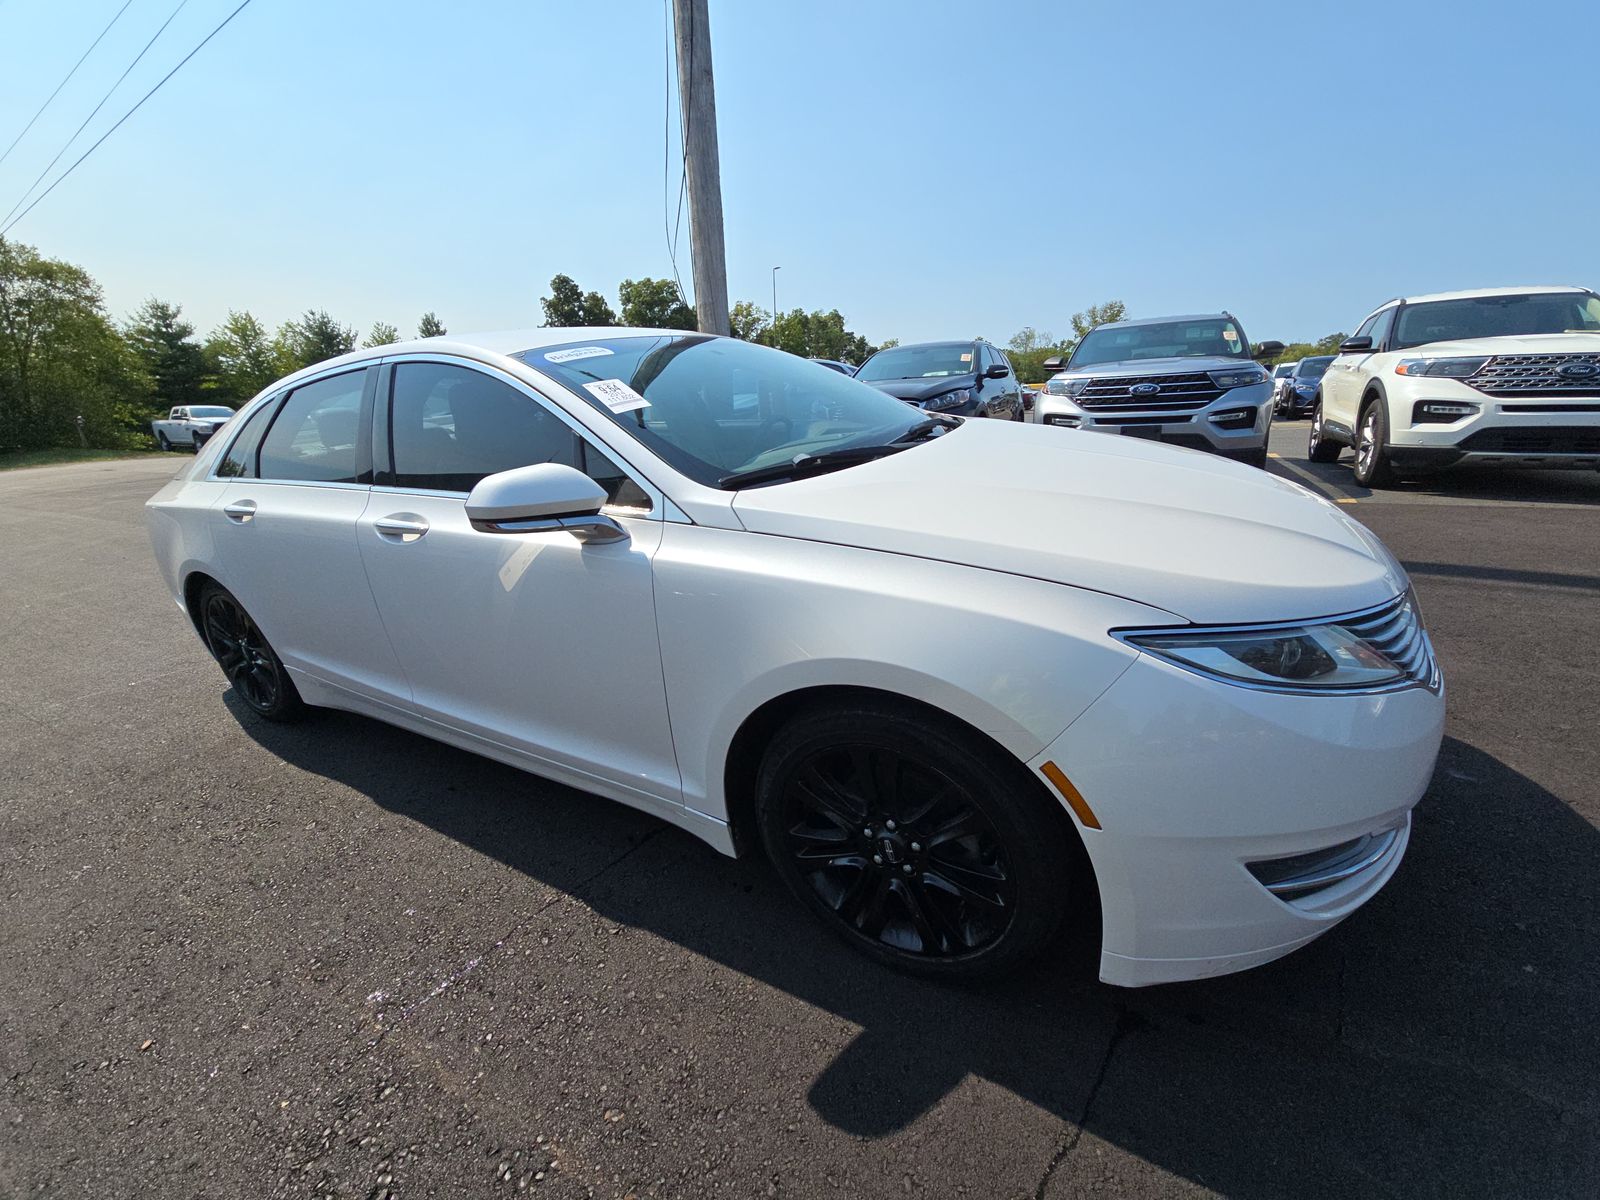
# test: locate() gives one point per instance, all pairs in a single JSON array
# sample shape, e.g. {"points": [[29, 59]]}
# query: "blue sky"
{"points": [[930, 169]]}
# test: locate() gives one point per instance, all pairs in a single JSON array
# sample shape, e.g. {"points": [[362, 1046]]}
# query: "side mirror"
{"points": [[543, 498], [1053, 363], [1358, 345], [1267, 349], [996, 371]]}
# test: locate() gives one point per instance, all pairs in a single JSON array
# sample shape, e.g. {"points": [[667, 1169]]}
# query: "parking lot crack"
{"points": [[1126, 1023]]}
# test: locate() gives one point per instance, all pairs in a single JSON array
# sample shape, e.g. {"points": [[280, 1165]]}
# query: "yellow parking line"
{"points": [[1347, 500], [1270, 454]]}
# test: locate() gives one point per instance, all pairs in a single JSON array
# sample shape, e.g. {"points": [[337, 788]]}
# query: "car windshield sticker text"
{"points": [[577, 352], [616, 395]]}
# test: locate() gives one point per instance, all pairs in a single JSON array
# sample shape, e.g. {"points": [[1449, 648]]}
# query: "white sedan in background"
{"points": [[943, 673]]}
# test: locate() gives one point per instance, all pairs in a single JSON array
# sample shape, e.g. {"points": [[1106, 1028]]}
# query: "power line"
{"points": [[64, 82], [97, 108], [243, 4]]}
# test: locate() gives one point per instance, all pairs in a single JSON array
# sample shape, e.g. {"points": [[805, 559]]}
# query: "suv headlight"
{"points": [[948, 399], [1066, 387], [1309, 657], [1240, 377], [1447, 368]]}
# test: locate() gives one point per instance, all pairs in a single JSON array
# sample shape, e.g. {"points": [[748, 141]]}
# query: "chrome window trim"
{"points": [[1431, 683], [555, 408]]}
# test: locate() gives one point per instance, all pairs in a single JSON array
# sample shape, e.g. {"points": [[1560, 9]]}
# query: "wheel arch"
{"points": [[743, 761], [193, 582]]}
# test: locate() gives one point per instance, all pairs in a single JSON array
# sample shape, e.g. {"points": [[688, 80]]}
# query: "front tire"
{"points": [[914, 841], [246, 657], [1320, 448], [1255, 458], [1374, 469]]}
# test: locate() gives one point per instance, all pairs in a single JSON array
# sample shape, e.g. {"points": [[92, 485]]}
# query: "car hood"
{"points": [[1529, 343], [1159, 366], [1210, 540], [922, 389]]}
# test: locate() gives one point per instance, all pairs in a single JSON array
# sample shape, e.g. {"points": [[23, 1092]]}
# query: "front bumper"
{"points": [[1532, 431], [1193, 780], [1194, 429]]}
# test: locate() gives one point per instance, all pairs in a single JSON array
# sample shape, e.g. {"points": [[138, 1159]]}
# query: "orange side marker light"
{"points": [[1071, 795]]}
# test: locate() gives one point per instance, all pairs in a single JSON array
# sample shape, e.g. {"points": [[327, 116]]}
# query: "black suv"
{"points": [[969, 379]]}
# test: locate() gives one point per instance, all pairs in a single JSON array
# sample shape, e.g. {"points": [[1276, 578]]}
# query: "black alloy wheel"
{"points": [[910, 845], [246, 657]]}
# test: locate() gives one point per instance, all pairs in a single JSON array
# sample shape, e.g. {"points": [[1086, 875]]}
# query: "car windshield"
{"points": [[211, 410], [716, 406], [1204, 337], [1283, 369], [1313, 368], [933, 361], [1497, 316]]}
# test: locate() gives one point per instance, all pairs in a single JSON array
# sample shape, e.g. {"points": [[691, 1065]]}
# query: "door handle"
{"points": [[402, 527], [240, 511]]}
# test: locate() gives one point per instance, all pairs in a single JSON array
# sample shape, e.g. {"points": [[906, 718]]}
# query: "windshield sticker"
{"points": [[577, 352], [616, 395], [1230, 334], [967, 357]]}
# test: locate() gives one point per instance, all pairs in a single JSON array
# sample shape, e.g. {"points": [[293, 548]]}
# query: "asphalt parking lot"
{"points": [[241, 959]]}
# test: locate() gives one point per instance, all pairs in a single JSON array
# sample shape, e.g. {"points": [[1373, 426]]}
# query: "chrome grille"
{"points": [[1179, 393], [1519, 374], [1396, 632]]}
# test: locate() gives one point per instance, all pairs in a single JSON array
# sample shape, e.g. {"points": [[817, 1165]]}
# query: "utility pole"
{"points": [[697, 101]]}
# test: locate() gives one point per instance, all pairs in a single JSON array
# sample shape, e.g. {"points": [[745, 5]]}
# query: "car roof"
{"points": [[1473, 293], [1211, 316]]}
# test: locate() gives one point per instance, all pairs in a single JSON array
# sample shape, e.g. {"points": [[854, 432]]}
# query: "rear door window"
{"points": [[314, 437], [240, 460]]}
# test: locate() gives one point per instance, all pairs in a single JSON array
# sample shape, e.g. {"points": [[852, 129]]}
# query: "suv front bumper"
{"points": [[1502, 432], [1197, 429]]}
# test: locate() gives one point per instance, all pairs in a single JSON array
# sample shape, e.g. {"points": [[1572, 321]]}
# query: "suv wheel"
{"points": [[1373, 467], [1320, 448], [913, 841]]}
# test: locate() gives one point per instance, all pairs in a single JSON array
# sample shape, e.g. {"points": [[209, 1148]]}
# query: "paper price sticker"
{"points": [[616, 395], [577, 352]]}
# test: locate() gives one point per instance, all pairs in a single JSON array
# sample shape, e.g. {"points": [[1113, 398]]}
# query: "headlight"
{"points": [[1311, 657], [1066, 387], [1240, 377], [949, 399], [1448, 368]]}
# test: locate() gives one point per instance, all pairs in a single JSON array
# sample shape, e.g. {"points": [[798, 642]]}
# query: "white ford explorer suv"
{"points": [[1508, 376], [1188, 381]]}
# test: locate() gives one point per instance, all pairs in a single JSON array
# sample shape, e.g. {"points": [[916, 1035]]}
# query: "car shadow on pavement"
{"points": [[1442, 1041]]}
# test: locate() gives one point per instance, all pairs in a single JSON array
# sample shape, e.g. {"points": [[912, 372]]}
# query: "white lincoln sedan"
{"points": [[951, 677]]}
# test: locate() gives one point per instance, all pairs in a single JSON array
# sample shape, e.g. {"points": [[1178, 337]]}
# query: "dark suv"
{"points": [[969, 379], [1300, 396]]}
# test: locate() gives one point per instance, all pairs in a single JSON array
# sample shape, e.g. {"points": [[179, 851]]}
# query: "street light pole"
{"points": [[775, 271]]}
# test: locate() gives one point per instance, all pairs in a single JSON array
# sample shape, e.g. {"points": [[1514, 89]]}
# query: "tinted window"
{"points": [[314, 437], [931, 361], [1313, 368], [240, 461], [620, 489], [1380, 328], [451, 426]]}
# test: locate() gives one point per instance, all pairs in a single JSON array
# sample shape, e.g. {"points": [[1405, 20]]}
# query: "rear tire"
{"points": [[1320, 448], [246, 657], [161, 440], [1374, 469], [914, 841]]}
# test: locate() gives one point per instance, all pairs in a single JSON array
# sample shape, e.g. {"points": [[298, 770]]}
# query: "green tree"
{"points": [[164, 344], [1029, 348], [430, 326], [1295, 351], [1098, 314], [382, 334], [653, 304], [569, 305], [748, 322], [61, 358], [242, 357], [316, 336]]}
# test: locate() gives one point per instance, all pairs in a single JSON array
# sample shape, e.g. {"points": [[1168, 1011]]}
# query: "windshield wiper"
{"points": [[923, 429], [808, 464]]}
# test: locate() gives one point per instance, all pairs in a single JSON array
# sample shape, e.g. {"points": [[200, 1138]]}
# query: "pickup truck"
{"points": [[189, 425]]}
